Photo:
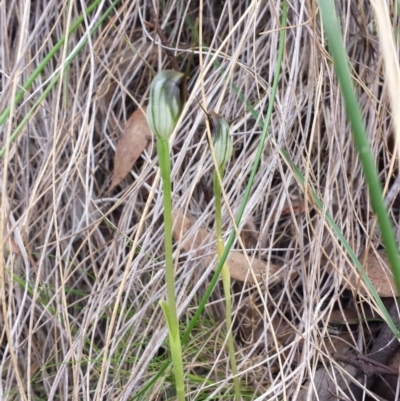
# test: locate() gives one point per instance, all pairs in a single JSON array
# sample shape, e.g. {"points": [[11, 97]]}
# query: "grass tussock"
{"points": [[83, 269]]}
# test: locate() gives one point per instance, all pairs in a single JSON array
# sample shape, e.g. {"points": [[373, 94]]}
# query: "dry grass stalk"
{"points": [[70, 240]]}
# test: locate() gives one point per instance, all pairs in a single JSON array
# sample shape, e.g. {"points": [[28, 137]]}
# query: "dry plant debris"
{"points": [[134, 139], [69, 239], [240, 266], [378, 271]]}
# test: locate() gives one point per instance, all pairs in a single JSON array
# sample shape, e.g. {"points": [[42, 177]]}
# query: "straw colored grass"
{"points": [[72, 250]]}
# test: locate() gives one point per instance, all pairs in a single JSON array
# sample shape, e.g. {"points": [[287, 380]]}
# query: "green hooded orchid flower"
{"points": [[222, 141], [166, 102], [223, 149], [163, 111]]}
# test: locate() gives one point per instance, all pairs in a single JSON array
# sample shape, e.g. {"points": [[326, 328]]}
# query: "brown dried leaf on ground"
{"points": [[238, 266], [130, 146], [378, 271], [11, 246]]}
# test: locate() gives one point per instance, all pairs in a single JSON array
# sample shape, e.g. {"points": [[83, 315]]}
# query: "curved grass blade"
{"points": [[334, 36]]}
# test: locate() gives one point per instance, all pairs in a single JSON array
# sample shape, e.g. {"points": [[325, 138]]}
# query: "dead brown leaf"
{"points": [[12, 246], [238, 266], [378, 271], [130, 146], [249, 234]]}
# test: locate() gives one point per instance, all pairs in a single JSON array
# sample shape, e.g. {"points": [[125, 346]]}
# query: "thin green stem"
{"points": [[218, 206], [317, 201], [231, 239], [171, 310], [165, 169], [226, 282], [354, 115], [249, 185], [320, 206]]}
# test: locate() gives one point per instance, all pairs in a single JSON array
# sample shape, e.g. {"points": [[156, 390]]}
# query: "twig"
{"points": [[375, 363], [163, 39], [368, 366]]}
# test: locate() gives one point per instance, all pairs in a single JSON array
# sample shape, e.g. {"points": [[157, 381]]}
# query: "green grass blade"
{"points": [[243, 204], [336, 48], [331, 222], [249, 186], [42, 65], [329, 219]]}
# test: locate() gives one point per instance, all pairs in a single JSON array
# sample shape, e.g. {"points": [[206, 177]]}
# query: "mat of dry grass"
{"points": [[75, 253]]}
